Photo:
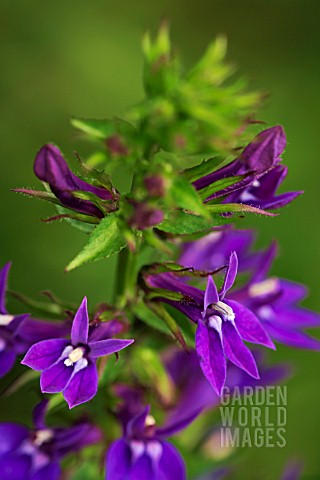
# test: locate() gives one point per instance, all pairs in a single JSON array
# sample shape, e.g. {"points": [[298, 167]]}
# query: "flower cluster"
{"points": [[206, 287]]}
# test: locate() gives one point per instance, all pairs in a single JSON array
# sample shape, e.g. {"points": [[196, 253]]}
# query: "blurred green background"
{"points": [[83, 58]]}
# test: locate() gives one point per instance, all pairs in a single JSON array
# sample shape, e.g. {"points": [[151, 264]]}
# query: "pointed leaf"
{"points": [[105, 240]]}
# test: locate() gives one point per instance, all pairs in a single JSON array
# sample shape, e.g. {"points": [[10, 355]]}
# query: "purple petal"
{"points": [[3, 287], [56, 378], [236, 351], [105, 330], [142, 469], [136, 425], [51, 167], [52, 471], [75, 438], [118, 461], [210, 294], [292, 292], [248, 325], [211, 356], [265, 149], [229, 170], [296, 317], [106, 347], [33, 331], [44, 354], [82, 387], [39, 413], [173, 428], [230, 274], [15, 467], [7, 361], [171, 465], [290, 336], [11, 437], [80, 326]]}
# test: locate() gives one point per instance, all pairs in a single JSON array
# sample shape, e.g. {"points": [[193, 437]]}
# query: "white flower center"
{"points": [[270, 285], [154, 450], [265, 312], [6, 319], [224, 310], [215, 322], [73, 355], [137, 449], [43, 436]]}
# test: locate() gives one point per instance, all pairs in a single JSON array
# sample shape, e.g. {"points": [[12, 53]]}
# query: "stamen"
{"points": [[224, 310], [150, 421], [270, 285], [43, 436], [6, 319], [74, 356]]}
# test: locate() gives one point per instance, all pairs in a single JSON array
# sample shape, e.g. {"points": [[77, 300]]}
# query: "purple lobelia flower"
{"points": [[34, 454], [143, 453], [19, 332], [222, 324], [274, 302], [51, 167], [69, 366], [259, 163]]}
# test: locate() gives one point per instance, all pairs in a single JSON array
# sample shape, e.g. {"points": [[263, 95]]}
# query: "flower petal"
{"points": [[230, 274], [82, 387], [236, 351], [80, 326], [249, 326], [52, 471], [142, 469], [211, 356], [118, 461], [106, 347], [7, 360], [210, 294], [56, 378], [15, 467], [44, 354], [292, 337], [11, 437], [171, 465], [39, 413]]}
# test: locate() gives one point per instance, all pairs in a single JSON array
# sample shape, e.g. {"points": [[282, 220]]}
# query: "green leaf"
{"points": [[185, 196], [147, 316], [97, 129], [237, 208], [160, 310], [207, 166], [105, 240], [179, 222], [220, 185]]}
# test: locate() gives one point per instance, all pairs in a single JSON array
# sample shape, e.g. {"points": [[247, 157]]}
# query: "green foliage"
{"points": [[106, 240]]}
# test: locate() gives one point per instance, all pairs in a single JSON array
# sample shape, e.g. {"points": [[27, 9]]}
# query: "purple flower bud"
{"points": [[155, 185], [51, 167], [145, 216]]}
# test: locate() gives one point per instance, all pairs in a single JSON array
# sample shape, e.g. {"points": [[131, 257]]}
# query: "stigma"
{"points": [[5, 320], [224, 310]]}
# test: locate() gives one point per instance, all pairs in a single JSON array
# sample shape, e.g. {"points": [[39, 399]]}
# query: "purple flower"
{"points": [[19, 332], [35, 454], [143, 453], [222, 325], [51, 167], [274, 302], [259, 163], [69, 366]]}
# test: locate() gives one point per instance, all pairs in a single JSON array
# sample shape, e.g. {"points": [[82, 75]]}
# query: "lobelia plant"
{"points": [[191, 311]]}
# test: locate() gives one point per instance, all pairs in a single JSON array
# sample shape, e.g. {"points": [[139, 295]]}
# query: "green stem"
{"points": [[126, 277]]}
